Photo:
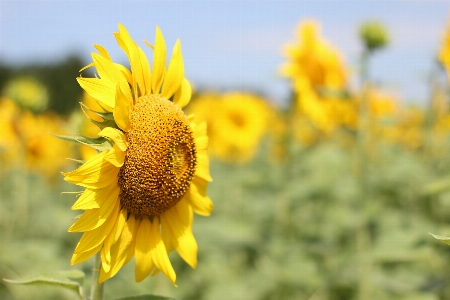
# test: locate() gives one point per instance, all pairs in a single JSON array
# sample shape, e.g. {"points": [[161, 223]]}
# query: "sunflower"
{"points": [[27, 92], [444, 51], [141, 193], [239, 126], [43, 154], [313, 60]]}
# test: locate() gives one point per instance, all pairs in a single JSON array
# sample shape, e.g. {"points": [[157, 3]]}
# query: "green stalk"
{"points": [[363, 236], [96, 288]]}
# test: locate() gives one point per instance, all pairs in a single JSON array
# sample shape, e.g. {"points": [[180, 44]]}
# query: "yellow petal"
{"points": [[119, 250], [200, 129], [80, 257], [181, 236], [159, 62], [185, 213], [116, 135], [101, 90], [94, 218], [111, 239], [159, 253], [108, 70], [144, 262], [140, 68], [201, 144], [87, 200], [134, 227], [175, 73], [122, 109], [183, 94], [202, 168], [93, 238], [196, 195], [103, 52], [86, 67], [95, 173], [115, 156]]}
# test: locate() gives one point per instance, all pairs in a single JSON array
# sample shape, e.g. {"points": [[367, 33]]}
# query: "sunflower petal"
{"points": [[87, 200], [140, 68], [183, 94], [111, 239], [115, 156], [134, 227], [196, 195], [122, 109], [159, 253], [144, 262], [108, 71], [175, 73], [159, 61], [116, 135], [119, 250], [93, 238], [181, 236], [95, 173], [103, 52], [94, 218], [202, 169], [80, 257], [101, 90]]}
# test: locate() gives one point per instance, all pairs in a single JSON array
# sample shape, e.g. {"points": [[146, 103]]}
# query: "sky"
{"points": [[231, 45]]}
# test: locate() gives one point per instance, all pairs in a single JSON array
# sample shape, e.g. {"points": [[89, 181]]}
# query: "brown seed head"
{"points": [[160, 160]]}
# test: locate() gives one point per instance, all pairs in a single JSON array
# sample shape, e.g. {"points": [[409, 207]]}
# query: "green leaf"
{"points": [[146, 297], [76, 160], [72, 280], [108, 117], [98, 143], [443, 239], [437, 187]]}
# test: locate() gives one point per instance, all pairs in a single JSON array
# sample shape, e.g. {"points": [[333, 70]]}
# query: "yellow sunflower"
{"points": [[444, 51], [141, 193], [239, 126], [314, 60]]}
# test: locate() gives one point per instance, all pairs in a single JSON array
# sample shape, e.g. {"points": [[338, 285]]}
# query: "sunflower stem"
{"points": [[96, 288], [362, 234]]}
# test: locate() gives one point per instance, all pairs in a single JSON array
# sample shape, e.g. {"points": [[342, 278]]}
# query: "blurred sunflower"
{"points": [[9, 135], [27, 92], [444, 51], [141, 192], [312, 60], [238, 126], [409, 130], [204, 107], [43, 153], [325, 113]]}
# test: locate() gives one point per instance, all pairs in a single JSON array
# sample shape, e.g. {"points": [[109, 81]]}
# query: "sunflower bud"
{"points": [[374, 35]]}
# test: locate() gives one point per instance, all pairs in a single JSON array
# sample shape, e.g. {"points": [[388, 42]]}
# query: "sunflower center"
{"points": [[160, 160], [237, 119]]}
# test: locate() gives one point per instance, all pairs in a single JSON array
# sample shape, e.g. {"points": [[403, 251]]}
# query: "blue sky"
{"points": [[230, 44]]}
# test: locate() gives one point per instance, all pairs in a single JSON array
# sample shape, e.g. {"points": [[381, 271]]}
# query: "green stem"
{"points": [[96, 288], [363, 236]]}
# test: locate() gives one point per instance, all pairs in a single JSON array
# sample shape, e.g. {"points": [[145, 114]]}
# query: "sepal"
{"points": [[107, 116], [98, 143]]}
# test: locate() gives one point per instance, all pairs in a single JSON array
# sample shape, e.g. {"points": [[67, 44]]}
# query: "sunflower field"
{"points": [[340, 192]]}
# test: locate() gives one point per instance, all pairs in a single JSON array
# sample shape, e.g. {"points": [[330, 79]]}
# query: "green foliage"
{"points": [[146, 297], [72, 280], [278, 231]]}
